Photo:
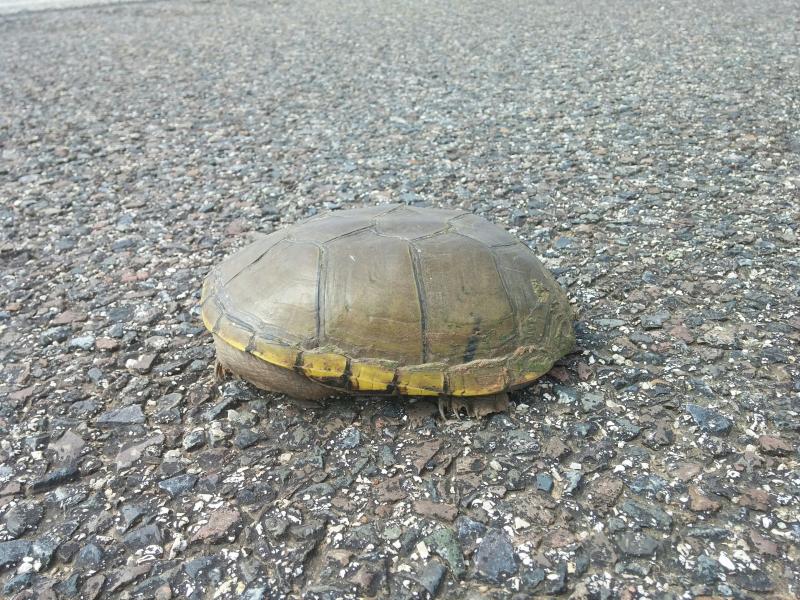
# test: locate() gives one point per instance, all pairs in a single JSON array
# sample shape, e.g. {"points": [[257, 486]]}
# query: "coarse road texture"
{"points": [[649, 152]]}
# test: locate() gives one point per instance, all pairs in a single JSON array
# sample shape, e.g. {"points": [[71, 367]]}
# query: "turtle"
{"points": [[388, 300]]}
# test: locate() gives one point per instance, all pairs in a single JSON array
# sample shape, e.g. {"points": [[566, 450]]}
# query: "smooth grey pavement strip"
{"points": [[647, 151], [18, 6]]}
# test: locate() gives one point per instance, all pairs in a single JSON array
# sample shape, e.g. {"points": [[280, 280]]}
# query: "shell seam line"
{"points": [[250, 264], [416, 268], [511, 303], [322, 279]]}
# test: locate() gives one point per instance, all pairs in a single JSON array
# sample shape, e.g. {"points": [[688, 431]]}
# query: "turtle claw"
{"points": [[475, 407], [442, 407], [220, 372]]}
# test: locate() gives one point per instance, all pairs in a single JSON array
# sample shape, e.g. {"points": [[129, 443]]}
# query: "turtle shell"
{"points": [[415, 301]]}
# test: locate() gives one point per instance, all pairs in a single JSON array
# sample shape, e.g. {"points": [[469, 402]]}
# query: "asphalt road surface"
{"points": [[648, 152]]}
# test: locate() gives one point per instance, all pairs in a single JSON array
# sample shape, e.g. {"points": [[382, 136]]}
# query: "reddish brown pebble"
{"points": [[22, 394], [438, 510], [105, 343], [698, 502], [68, 316], [687, 471], [763, 545], [774, 445], [755, 498]]}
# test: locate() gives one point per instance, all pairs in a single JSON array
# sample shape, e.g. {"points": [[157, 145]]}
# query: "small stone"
{"points": [[194, 439], [18, 583], [132, 453], [69, 316], [55, 478], [659, 437], [437, 510], [431, 576], [707, 569], [107, 344], [349, 438], [156, 343], [647, 484], [12, 488], [445, 544], [556, 449], [127, 415], [141, 537], [754, 581], [123, 576], [627, 429], [468, 532], [141, 364], [421, 455], [22, 517], [565, 394], [655, 320], [647, 515], [96, 375], [573, 482], [636, 543], [562, 243], [93, 586], [245, 438], [178, 485], [755, 498], [687, 471], [720, 337], [717, 534], [774, 445], [604, 491], [84, 342], [544, 482], [709, 420], [557, 581], [55, 334], [494, 557], [698, 502], [163, 592], [12, 552], [592, 402], [386, 456], [389, 490], [764, 545], [89, 557], [221, 524]]}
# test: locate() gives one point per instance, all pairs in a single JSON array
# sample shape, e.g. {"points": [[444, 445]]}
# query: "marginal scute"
{"points": [[371, 376], [234, 333], [421, 381], [276, 354], [323, 365], [478, 378], [211, 310], [528, 364]]}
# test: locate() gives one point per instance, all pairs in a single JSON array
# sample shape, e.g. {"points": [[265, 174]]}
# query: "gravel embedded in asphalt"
{"points": [[648, 152]]}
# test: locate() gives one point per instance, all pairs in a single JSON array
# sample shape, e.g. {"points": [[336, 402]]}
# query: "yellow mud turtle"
{"points": [[389, 299]]}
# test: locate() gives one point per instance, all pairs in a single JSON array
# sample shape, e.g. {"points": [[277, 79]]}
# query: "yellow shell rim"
{"points": [[348, 374]]}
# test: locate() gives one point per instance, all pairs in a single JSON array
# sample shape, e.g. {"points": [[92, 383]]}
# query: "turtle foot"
{"points": [[472, 406]]}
